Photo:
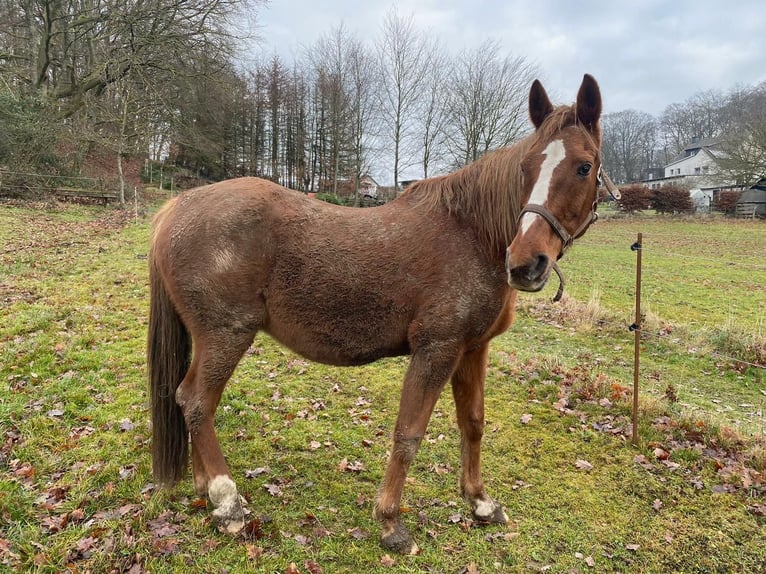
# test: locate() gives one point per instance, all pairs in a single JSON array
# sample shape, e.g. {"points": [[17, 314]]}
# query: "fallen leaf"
{"points": [[254, 529], [257, 471], [526, 419], [633, 547], [292, 569], [657, 504], [358, 534], [583, 464], [346, 466], [166, 545], [273, 489], [312, 567], [55, 523], [661, 454], [387, 561]]}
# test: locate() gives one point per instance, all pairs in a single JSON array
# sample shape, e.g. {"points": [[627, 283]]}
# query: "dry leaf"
{"points": [[526, 419], [583, 464]]}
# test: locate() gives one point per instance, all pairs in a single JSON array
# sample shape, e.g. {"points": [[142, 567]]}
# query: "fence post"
{"points": [[636, 328]]}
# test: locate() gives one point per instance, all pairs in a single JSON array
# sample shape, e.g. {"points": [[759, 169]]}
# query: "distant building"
{"points": [[368, 187], [695, 168]]}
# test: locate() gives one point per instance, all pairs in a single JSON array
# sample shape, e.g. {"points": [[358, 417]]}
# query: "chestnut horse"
{"points": [[433, 274]]}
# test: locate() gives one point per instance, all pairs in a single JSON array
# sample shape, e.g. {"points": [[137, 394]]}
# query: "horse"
{"points": [[433, 274]]}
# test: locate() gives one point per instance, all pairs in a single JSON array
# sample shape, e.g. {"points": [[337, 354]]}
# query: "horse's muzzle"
{"points": [[531, 275]]}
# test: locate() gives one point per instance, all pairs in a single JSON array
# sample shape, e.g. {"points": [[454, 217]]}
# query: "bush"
{"points": [[726, 201], [671, 199], [634, 198], [29, 133], [330, 198]]}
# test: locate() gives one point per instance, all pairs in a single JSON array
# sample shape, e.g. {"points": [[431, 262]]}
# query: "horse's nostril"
{"points": [[540, 266], [531, 272]]}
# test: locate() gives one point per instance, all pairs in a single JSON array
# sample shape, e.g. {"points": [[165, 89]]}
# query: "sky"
{"points": [[645, 54]]}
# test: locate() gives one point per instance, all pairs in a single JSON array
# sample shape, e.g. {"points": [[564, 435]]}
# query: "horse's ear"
{"points": [[589, 102], [539, 104]]}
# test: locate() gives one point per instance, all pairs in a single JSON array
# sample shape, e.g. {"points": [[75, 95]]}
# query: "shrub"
{"points": [[330, 198], [633, 198], [671, 199], [726, 201]]}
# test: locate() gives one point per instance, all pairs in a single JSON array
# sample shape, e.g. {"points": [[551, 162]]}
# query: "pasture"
{"points": [[308, 443]]}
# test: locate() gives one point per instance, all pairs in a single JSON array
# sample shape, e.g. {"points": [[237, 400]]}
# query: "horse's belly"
{"points": [[341, 335], [340, 347]]}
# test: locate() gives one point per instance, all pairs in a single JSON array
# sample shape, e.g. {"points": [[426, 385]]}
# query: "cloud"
{"points": [[646, 55]]}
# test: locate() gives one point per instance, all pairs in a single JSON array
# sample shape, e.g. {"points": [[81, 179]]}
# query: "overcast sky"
{"points": [[645, 54]]}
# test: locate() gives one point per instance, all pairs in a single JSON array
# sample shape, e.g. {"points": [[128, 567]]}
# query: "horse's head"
{"points": [[562, 173]]}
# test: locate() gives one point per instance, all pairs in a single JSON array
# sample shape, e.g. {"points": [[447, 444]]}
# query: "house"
{"points": [[695, 168], [368, 187]]}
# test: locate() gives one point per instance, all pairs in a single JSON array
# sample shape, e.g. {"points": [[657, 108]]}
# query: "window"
{"points": [[697, 171]]}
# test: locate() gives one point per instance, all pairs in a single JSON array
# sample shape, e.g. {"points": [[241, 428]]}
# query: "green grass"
{"points": [[75, 477]]}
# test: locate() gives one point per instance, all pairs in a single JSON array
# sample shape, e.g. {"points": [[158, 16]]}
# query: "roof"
{"points": [[702, 143], [708, 145]]}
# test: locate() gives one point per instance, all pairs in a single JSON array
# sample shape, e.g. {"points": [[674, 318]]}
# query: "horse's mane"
{"points": [[488, 192]]}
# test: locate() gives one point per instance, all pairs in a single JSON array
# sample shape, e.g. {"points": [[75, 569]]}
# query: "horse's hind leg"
{"points": [[468, 390], [215, 358]]}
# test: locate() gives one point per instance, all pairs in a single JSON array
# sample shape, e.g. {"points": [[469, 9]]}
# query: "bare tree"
{"points": [[745, 141], [362, 89], [432, 116], [700, 116], [331, 62], [629, 143], [487, 101], [404, 58]]}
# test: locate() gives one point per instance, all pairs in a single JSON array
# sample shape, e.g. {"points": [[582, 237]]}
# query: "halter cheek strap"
{"points": [[566, 239]]}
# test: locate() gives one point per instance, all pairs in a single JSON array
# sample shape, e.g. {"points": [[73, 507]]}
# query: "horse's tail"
{"points": [[168, 356]]}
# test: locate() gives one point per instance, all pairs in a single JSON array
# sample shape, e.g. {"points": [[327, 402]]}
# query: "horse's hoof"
{"points": [[228, 513], [398, 540], [490, 514], [229, 519]]}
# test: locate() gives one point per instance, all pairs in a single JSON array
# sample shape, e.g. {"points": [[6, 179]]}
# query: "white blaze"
{"points": [[554, 154]]}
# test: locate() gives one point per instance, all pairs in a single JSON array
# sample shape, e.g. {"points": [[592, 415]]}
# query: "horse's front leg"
{"points": [[468, 390], [426, 376]]}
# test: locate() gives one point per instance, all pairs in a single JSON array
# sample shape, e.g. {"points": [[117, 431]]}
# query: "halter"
{"points": [[566, 238]]}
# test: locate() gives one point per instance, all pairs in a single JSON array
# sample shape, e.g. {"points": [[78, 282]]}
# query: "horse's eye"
{"points": [[584, 169]]}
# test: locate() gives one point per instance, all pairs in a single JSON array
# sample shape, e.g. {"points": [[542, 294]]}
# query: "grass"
{"points": [[308, 443]]}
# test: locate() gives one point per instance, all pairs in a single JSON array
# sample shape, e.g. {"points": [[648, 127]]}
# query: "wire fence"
{"points": [[746, 416], [36, 185]]}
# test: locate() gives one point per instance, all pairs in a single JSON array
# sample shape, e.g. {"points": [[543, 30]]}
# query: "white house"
{"points": [[368, 187], [696, 167]]}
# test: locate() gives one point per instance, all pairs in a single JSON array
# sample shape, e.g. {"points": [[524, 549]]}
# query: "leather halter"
{"points": [[566, 238]]}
